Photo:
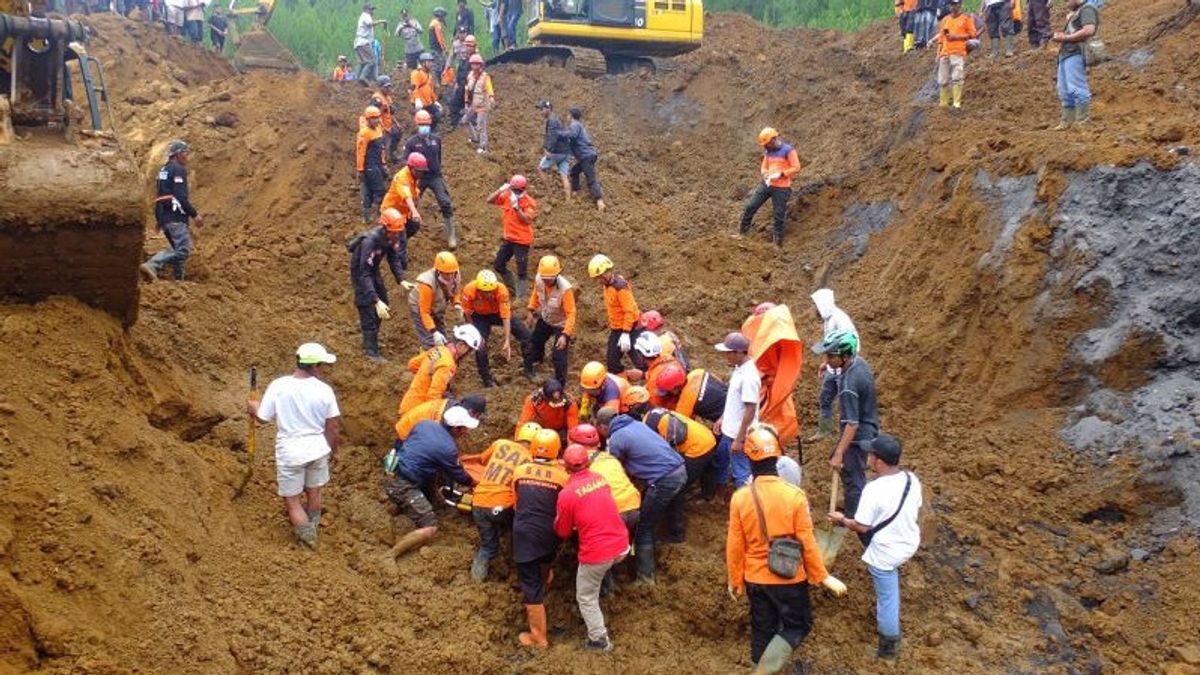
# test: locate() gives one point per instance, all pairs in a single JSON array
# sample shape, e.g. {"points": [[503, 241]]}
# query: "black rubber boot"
{"points": [[371, 346], [889, 648]]}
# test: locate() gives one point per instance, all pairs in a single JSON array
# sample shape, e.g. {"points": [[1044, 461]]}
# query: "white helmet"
{"points": [[648, 345], [470, 335]]}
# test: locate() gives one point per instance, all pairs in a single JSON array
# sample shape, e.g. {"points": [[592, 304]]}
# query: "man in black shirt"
{"points": [[859, 413], [556, 148], [172, 209], [464, 18], [430, 144]]}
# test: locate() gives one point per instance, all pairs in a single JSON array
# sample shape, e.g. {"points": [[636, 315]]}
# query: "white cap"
{"points": [[311, 353], [648, 345], [458, 416], [470, 335]]}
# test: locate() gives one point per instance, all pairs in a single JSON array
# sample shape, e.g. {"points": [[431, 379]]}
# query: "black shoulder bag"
{"points": [[783, 553], [866, 538]]}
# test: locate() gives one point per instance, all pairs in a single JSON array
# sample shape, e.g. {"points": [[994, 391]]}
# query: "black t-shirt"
{"points": [[218, 22], [537, 486], [857, 398], [1087, 15]]}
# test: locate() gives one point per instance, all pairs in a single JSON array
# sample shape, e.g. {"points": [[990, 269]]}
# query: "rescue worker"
{"points": [[859, 410], [622, 309], [430, 449], [369, 159], [422, 88], [998, 14], [462, 69], [833, 321], [433, 292], [695, 442], [956, 30], [551, 407], [629, 500], [586, 507], [767, 510], [403, 192], [741, 409], [437, 38], [486, 304], [517, 211], [172, 209], [586, 155], [434, 369], [479, 99], [493, 499], [780, 164], [343, 71], [552, 313], [1083, 20], [429, 145], [635, 402], [672, 345], [434, 410], [697, 394], [649, 356], [905, 9], [647, 458], [556, 147], [367, 252], [535, 489], [601, 389], [382, 100], [409, 30]]}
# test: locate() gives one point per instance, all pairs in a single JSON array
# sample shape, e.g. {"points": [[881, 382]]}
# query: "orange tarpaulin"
{"points": [[473, 466], [779, 354]]}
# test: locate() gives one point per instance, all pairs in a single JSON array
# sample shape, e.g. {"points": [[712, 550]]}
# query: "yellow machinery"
{"points": [[257, 49], [595, 37]]}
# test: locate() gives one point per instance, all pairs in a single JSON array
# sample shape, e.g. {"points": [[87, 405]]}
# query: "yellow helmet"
{"points": [[767, 135], [545, 444], [549, 266], [592, 376], [635, 395], [528, 431], [445, 262], [762, 443], [599, 264], [372, 112], [486, 281]]}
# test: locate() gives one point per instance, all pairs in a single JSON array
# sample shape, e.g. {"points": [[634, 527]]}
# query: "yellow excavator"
{"points": [[595, 37], [257, 49]]}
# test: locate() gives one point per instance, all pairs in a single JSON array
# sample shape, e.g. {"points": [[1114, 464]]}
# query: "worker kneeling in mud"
{"points": [[492, 502], [428, 450], [773, 570], [535, 493]]}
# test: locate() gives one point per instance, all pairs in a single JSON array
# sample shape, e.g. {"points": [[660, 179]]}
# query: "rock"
{"points": [[1181, 150], [1139, 554], [1189, 654], [1172, 133], [7, 409], [1180, 669], [1113, 562], [302, 148], [138, 99], [210, 120], [226, 119]]}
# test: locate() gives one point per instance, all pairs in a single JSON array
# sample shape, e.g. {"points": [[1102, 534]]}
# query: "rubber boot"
{"points": [[774, 657], [944, 97], [451, 235], [956, 95], [825, 428], [995, 47], [479, 567], [306, 534], [645, 566], [601, 206], [1008, 45], [1083, 113], [909, 39], [889, 647], [1068, 118], [314, 517], [371, 346], [536, 637], [777, 238], [522, 287]]}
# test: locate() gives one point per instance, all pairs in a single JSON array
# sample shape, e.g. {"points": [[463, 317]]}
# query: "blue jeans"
{"points": [[180, 241], [718, 469], [1072, 82], [489, 522], [655, 503], [887, 600], [496, 38], [829, 390], [513, 21]]}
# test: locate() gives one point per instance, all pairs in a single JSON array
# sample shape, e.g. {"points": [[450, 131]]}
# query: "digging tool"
{"points": [[829, 536], [251, 436]]}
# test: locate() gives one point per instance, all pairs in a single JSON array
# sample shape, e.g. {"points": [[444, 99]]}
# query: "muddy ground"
{"points": [[1027, 298]]}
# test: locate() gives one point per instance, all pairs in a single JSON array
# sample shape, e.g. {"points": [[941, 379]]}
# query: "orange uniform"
{"points": [[785, 509], [961, 26], [475, 301], [432, 372], [783, 161], [689, 437], [384, 103], [653, 369], [429, 410], [341, 73], [516, 230], [500, 461], [538, 409], [422, 92], [619, 303], [403, 187], [368, 142], [437, 35], [429, 297], [558, 307]]}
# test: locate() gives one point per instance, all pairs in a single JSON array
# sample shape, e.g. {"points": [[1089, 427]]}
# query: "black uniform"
{"points": [[367, 252], [373, 180], [535, 544], [172, 210], [430, 145]]}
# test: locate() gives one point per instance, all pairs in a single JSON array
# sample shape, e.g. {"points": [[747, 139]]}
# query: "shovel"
{"points": [[829, 537], [251, 436]]}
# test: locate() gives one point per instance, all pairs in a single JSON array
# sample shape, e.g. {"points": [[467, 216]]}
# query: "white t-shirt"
{"points": [[365, 33], [299, 407], [895, 544], [744, 386]]}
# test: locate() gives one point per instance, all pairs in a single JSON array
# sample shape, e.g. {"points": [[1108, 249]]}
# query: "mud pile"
{"points": [[976, 253]]}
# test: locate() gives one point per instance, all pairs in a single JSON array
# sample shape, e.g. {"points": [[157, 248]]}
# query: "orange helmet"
{"points": [[549, 266], [767, 135], [762, 443], [445, 262], [528, 431], [592, 376], [545, 444], [635, 395], [391, 220], [372, 113], [422, 118]]}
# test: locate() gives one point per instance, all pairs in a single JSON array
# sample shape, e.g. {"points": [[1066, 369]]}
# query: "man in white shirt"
{"points": [[305, 412], [364, 43], [888, 513], [741, 410], [833, 321]]}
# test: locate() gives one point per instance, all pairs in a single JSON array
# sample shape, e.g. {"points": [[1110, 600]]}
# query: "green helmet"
{"points": [[841, 343]]}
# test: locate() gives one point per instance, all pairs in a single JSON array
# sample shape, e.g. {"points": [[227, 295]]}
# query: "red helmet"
{"points": [[575, 458], [518, 182], [475, 58], [584, 434], [417, 161], [671, 378], [651, 320]]}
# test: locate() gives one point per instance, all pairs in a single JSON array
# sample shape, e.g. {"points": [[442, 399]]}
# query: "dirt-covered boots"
{"points": [[1068, 118], [889, 647], [536, 637]]}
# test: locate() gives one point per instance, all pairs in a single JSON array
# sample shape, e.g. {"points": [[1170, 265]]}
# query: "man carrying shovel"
{"points": [[859, 412]]}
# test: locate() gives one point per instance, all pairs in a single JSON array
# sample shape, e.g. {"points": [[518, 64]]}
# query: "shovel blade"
{"points": [[829, 542]]}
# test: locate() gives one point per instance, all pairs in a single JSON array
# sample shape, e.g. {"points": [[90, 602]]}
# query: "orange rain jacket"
{"points": [[785, 508], [432, 372], [779, 354]]}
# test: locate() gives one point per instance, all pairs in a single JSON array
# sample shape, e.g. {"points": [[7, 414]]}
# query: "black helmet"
{"points": [[439, 12], [426, 56], [175, 147]]}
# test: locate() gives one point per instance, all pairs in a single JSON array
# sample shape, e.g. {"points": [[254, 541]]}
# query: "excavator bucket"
{"points": [[259, 50]]}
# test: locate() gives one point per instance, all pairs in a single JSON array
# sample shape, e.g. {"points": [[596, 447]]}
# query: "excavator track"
{"points": [[587, 63]]}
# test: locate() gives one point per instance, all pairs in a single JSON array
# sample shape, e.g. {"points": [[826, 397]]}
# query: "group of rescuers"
{"points": [[611, 465]]}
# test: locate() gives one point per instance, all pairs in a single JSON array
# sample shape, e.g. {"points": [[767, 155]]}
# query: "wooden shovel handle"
{"points": [[833, 492]]}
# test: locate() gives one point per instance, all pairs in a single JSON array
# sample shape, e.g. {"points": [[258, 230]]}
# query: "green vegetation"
{"points": [[839, 14]]}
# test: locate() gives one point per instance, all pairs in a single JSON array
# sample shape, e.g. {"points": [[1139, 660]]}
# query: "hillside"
{"points": [[1027, 298]]}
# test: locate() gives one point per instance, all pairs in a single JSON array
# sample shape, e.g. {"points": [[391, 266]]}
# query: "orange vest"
{"points": [[384, 103], [501, 460], [475, 301], [421, 86], [403, 187], [785, 509], [432, 372], [429, 410]]}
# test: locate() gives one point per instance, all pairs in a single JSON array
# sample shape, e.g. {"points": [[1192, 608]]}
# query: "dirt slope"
{"points": [[122, 551]]}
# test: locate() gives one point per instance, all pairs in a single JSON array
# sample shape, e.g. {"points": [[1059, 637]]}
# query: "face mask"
{"points": [[424, 129]]}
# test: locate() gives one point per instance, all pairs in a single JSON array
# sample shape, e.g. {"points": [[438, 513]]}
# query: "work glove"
{"points": [[504, 187], [381, 310], [438, 338], [834, 585], [734, 593], [514, 199], [623, 342], [419, 104], [461, 317]]}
